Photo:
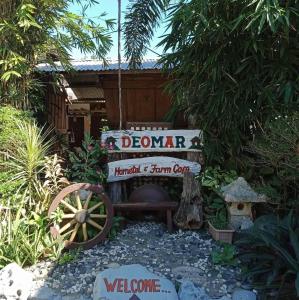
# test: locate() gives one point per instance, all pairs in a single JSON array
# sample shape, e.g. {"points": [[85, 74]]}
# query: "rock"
{"points": [[188, 273], [113, 266], [240, 222], [44, 293], [240, 294], [15, 283], [188, 291], [246, 224], [132, 282]]}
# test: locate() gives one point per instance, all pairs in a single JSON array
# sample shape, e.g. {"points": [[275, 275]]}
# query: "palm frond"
{"points": [[140, 23]]}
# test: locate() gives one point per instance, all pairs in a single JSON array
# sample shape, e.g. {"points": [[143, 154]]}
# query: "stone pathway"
{"points": [[183, 254]]}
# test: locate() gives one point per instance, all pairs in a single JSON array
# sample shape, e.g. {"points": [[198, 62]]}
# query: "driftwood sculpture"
{"points": [[190, 214]]}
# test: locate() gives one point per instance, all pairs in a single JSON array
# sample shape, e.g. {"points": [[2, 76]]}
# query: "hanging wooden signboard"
{"points": [[152, 140], [150, 166]]}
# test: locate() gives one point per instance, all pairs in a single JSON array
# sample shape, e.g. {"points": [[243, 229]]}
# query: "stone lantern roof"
{"points": [[241, 192]]}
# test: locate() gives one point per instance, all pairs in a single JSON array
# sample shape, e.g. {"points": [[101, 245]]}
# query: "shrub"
{"points": [[87, 164], [275, 158], [28, 181], [25, 239], [226, 256], [212, 179], [270, 251], [10, 132], [26, 164]]}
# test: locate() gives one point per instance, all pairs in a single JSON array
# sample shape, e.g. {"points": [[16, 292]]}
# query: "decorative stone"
{"points": [[113, 265], [132, 282], [240, 191], [246, 224], [240, 222], [188, 291], [239, 197], [44, 293], [188, 273], [243, 295], [15, 283]]}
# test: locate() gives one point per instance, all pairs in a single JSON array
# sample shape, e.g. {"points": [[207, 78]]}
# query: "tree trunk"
{"points": [[119, 66], [190, 214]]}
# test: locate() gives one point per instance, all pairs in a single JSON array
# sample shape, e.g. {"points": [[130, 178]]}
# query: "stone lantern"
{"points": [[239, 197]]}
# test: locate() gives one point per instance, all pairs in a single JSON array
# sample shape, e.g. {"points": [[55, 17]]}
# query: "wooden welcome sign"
{"points": [[152, 140], [150, 166]]}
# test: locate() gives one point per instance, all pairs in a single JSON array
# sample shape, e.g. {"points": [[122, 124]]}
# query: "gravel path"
{"points": [[183, 254]]}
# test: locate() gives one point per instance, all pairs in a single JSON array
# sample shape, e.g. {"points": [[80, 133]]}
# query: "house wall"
{"points": [[143, 99], [56, 109]]}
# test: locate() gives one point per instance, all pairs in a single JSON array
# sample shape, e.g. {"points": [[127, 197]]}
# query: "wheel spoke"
{"points": [[96, 216], [83, 216], [94, 224], [74, 233], [67, 226], [70, 207], [77, 195], [85, 234], [95, 207], [87, 200], [68, 233], [68, 216]]}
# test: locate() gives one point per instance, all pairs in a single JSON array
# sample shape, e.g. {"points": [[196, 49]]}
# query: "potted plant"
{"points": [[219, 227]]}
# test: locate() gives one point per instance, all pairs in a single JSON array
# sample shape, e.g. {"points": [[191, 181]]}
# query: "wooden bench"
{"points": [[168, 207], [167, 166]]}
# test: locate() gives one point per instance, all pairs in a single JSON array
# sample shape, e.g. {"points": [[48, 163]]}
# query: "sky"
{"points": [[111, 8]]}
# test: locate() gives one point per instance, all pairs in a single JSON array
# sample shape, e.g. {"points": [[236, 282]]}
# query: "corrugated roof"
{"points": [[97, 65]]}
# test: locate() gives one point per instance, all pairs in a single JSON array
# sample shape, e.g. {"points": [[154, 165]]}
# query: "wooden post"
{"points": [[190, 214], [194, 156], [169, 220], [87, 124], [115, 188]]}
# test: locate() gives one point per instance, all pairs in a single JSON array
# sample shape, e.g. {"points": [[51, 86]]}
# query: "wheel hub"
{"points": [[81, 216]]}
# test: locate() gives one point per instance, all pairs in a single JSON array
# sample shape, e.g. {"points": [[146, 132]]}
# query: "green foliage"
{"points": [[270, 250], [212, 179], [28, 181], [69, 256], [233, 65], [54, 177], [274, 155], [34, 31], [25, 165], [25, 239], [226, 256], [140, 23], [219, 217], [10, 133], [8, 188], [87, 164], [116, 227]]}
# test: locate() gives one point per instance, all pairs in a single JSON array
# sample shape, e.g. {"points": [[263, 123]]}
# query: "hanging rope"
{"points": [[119, 65]]}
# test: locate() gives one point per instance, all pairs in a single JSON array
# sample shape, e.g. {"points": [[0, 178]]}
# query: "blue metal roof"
{"points": [[97, 65]]}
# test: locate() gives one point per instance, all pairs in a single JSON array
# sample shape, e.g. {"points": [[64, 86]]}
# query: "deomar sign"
{"points": [[153, 140]]}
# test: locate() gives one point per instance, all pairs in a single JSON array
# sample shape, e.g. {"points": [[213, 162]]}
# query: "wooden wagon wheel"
{"points": [[84, 215]]}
